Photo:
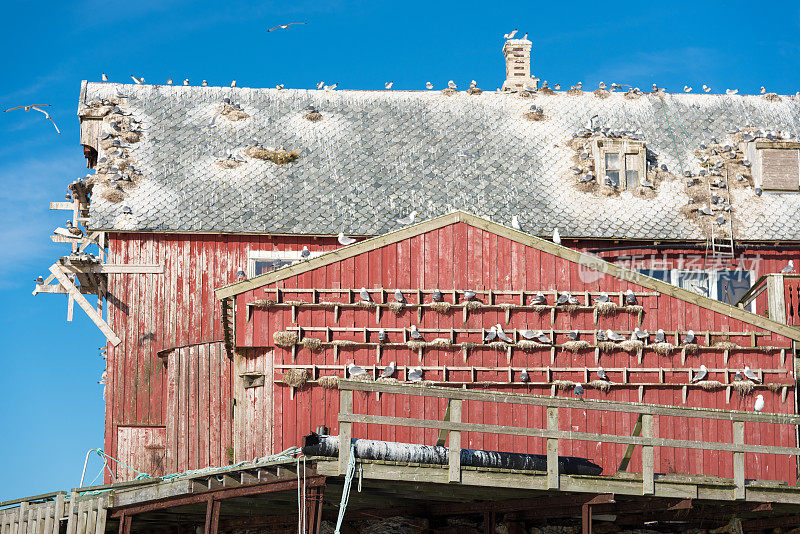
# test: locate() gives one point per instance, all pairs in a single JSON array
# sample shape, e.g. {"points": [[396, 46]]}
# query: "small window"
{"points": [[621, 161], [658, 274], [696, 281], [612, 167], [776, 165], [732, 285], [264, 261]]}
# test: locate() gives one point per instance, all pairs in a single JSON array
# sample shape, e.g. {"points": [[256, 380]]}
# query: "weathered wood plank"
{"points": [[345, 430], [552, 448], [648, 466], [85, 306], [454, 472]]}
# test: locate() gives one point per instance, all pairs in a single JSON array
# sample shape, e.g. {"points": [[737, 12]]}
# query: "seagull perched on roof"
{"points": [[510, 35], [103, 77], [137, 81], [702, 374], [398, 296], [491, 335], [759, 405], [789, 267], [473, 84], [389, 370], [556, 236], [388, 85], [233, 83], [750, 375], [409, 219], [344, 240], [364, 294], [502, 335], [285, 26], [321, 84], [731, 91], [169, 81], [38, 107], [279, 86], [763, 90], [428, 85], [186, 81], [515, 223], [687, 89], [452, 85], [602, 86], [204, 83], [706, 89]]}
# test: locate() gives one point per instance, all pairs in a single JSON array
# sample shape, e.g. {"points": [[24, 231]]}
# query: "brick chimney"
{"points": [[518, 65]]}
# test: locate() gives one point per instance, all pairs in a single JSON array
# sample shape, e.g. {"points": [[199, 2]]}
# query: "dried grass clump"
{"points": [[329, 381], [313, 116], [362, 376], [605, 308], [474, 91], [773, 387], [285, 338], [278, 157], [526, 344], [631, 345], [691, 348], [473, 304], [540, 307], [587, 187], [644, 192], [602, 93], [416, 345], [344, 342], [469, 345], [546, 91], [633, 95], [710, 385], [397, 307], [563, 384], [448, 91], [526, 94], [576, 345], [112, 195], [743, 387], [499, 345], [606, 346], [233, 113], [772, 97], [574, 92], [663, 348], [312, 343], [440, 307], [295, 302], [264, 303], [535, 116], [602, 385], [130, 137], [569, 308], [725, 345], [608, 191], [635, 308], [366, 304], [386, 379], [689, 211], [295, 377], [440, 342], [228, 163]]}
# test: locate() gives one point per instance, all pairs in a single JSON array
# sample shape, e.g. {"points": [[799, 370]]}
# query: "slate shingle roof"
{"points": [[377, 155]]}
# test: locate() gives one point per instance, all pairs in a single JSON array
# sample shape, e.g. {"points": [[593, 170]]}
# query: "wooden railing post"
{"points": [[738, 461], [345, 429], [552, 449], [648, 467], [454, 474], [776, 299]]}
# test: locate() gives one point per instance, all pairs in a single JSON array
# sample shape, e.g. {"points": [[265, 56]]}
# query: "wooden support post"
{"points": [[58, 513], [738, 461], [776, 301], [440, 441], [345, 430], [96, 318], [648, 467], [552, 449], [212, 516], [454, 473], [586, 518], [626, 458]]}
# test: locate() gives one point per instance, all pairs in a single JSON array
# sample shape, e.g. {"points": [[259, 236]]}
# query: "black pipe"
{"points": [[320, 445]]}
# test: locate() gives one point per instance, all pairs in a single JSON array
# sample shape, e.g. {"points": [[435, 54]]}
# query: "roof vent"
{"points": [[518, 66]]}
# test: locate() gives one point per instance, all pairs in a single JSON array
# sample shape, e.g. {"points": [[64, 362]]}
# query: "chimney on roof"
{"points": [[518, 65]]}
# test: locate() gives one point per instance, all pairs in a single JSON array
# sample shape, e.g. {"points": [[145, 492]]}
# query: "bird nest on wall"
{"points": [[710, 385], [633, 95], [773, 387], [344, 342], [602, 385], [663, 348], [743, 387], [635, 308], [725, 345], [474, 91], [312, 343], [631, 345], [285, 338], [295, 377], [328, 305], [228, 163], [772, 97], [540, 307], [416, 345], [366, 304], [447, 91], [691, 348], [329, 381], [441, 343], [605, 308], [264, 303], [574, 92], [313, 116], [602, 93], [440, 307], [563, 385], [606, 346], [278, 156], [535, 116], [528, 345], [569, 308], [233, 112], [397, 307], [499, 345], [473, 304], [113, 195], [575, 345], [546, 91]]}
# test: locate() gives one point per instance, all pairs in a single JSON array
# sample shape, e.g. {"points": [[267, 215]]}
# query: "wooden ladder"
{"points": [[721, 246]]}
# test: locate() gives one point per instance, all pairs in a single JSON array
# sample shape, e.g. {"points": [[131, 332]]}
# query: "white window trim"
{"points": [[285, 255], [713, 280], [623, 147]]}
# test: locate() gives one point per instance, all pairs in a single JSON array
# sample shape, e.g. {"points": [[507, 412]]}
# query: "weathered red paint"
{"points": [[187, 393]]}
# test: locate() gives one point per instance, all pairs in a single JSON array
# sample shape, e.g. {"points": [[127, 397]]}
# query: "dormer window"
{"points": [[775, 165], [622, 161]]}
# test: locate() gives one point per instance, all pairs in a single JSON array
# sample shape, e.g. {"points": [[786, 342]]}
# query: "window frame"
{"points": [[755, 153], [292, 256], [623, 148]]}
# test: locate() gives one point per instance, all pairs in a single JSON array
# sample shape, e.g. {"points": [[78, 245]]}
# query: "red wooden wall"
{"points": [[460, 257], [157, 312]]}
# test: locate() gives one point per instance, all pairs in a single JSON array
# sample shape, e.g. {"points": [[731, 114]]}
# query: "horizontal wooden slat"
{"points": [[111, 268]]}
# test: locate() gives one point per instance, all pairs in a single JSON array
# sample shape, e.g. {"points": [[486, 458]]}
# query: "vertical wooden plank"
{"points": [[454, 470], [58, 513], [738, 461], [648, 481], [552, 449], [345, 434], [172, 418]]}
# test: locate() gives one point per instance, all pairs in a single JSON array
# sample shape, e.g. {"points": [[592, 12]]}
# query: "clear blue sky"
{"points": [[51, 409]]}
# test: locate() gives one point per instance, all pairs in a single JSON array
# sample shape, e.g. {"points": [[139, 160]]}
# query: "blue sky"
{"points": [[51, 409]]}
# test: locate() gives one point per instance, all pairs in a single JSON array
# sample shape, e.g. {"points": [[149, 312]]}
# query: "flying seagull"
{"points": [[601, 374], [415, 333], [490, 335], [759, 405], [284, 26], [383, 337], [414, 374], [344, 240], [750, 375], [354, 370], [409, 219], [510, 35], [364, 294], [502, 335], [515, 223], [398, 296], [388, 85], [789, 267], [38, 107], [702, 374], [389, 370]]}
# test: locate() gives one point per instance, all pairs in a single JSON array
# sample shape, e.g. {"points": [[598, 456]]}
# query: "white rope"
{"points": [[348, 481]]}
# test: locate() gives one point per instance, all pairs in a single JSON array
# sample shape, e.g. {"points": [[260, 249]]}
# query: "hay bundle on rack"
{"points": [[440, 307], [663, 348], [329, 381], [631, 345], [605, 308], [743, 387], [285, 338], [295, 377], [602, 385], [312, 343], [563, 385], [575, 345]]}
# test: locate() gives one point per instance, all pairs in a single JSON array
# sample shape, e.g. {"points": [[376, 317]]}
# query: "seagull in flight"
{"points": [[388, 85], [284, 26], [38, 107]]}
